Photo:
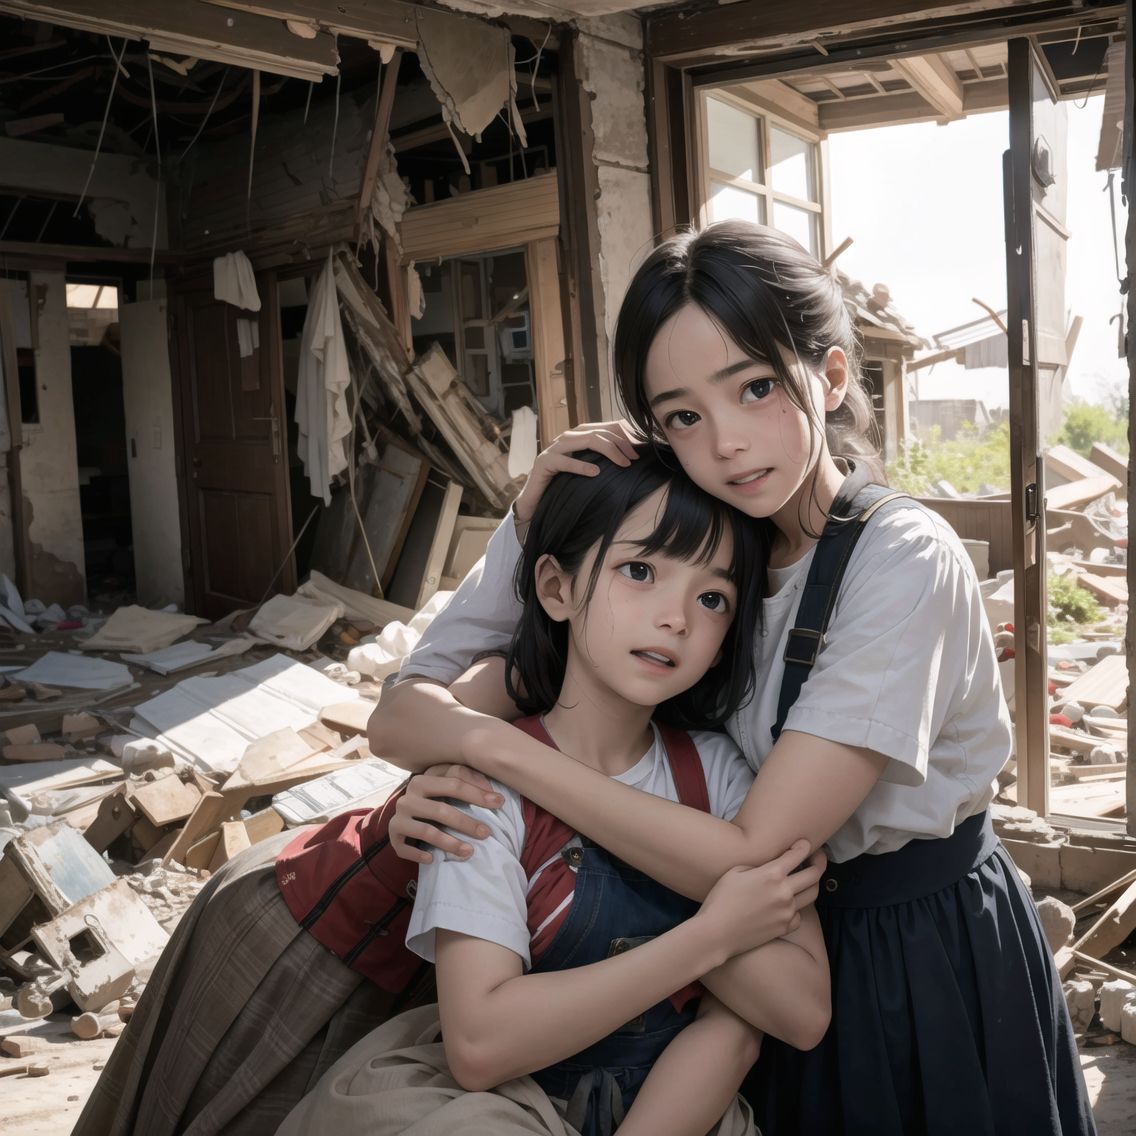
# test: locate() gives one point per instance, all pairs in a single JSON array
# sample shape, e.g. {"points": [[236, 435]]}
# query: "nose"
{"points": [[729, 438], [672, 615]]}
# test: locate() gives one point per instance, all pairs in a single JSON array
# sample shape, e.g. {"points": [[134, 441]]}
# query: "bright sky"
{"points": [[923, 204]]}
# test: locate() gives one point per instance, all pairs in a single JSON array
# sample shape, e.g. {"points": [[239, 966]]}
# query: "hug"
{"points": [[703, 754]]}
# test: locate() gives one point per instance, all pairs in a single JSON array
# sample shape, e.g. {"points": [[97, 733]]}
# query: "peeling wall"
{"points": [[49, 461], [611, 69], [121, 196], [147, 395]]}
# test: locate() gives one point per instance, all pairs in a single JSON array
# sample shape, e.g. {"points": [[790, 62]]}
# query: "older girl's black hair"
{"points": [[578, 513], [769, 295]]}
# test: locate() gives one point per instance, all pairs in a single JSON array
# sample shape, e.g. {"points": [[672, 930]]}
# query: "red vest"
{"points": [[344, 884]]}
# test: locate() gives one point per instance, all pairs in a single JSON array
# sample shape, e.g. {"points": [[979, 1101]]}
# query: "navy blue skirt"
{"points": [[948, 1015]]}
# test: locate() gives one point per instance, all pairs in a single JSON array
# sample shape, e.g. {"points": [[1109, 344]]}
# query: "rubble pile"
{"points": [[113, 816]]}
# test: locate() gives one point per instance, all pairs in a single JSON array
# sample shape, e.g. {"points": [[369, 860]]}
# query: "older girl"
{"points": [[734, 346], [554, 959]]}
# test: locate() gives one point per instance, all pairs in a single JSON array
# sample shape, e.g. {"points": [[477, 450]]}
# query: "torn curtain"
{"points": [[321, 391]]}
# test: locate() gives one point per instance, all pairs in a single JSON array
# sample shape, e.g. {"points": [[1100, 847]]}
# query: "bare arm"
{"points": [[684, 848], [781, 988], [697, 1076], [498, 1023]]}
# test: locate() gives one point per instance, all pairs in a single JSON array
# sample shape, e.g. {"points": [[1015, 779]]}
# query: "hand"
{"points": [[422, 811], [612, 439], [749, 907]]}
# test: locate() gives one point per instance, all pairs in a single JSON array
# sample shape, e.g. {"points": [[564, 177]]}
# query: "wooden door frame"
{"points": [[689, 51]]}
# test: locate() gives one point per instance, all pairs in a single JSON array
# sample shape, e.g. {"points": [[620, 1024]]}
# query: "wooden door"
{"points": [[1035, 189], [235, 440]]}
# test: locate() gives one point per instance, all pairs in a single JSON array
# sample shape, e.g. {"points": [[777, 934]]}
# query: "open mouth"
{"points": [[750, 478], [656, 657]]}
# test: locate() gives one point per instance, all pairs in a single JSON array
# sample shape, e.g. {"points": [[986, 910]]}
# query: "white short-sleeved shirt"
{"points": [[907, 669], [486, 896]]}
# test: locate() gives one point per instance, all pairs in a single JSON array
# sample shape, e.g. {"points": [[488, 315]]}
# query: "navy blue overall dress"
{"points": [[615, 908]]}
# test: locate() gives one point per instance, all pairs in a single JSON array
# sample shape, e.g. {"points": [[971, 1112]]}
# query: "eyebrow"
{"points": [[721, 573], [716, 377]]}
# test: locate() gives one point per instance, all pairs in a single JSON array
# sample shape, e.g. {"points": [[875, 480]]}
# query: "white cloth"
{"points": [[234, 281], [523, 446], [486, 895], [248, 337], [907, 669], [321, 390]]}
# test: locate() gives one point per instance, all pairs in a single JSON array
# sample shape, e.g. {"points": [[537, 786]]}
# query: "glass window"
{"points": [[798, 223], [793, 164], [734, 141], [727, 202]]}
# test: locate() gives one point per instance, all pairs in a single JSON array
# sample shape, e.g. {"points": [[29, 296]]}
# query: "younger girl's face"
{"points": [[731, 423], [654, 624]]}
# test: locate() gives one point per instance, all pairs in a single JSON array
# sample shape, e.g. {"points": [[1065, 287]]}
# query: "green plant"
{"points": [[1069, 602], [1086, 423], [971, 462]]}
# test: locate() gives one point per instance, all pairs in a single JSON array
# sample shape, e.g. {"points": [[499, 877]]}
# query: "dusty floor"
{"points": [[49, 1106]]}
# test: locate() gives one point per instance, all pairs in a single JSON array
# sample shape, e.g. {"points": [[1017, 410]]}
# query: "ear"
{"points": [[835, 368], [553, 588]]}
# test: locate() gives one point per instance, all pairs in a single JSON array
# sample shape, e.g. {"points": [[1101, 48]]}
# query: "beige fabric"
{"points": [[395, 1082]]}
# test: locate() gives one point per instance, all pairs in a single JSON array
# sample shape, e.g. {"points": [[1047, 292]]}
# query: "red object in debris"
{"points": [[1004, 654], [70, 625], [1060, 720], [1053, 690]]}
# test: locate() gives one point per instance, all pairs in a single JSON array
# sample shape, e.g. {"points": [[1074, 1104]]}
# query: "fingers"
{"points": [[451, 782], [403, 830], [476, 779], [437, 812], [793, 857], [809, 876]]}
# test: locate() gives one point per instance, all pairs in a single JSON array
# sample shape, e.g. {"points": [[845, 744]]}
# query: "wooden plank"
{"points": [[260, 826], [385, 21], [1108, 589], [1105, 892], [440, 543], [349, 717], [211, 809], [546, 315], [380, 136], [234, 838], [1079, 492], [1107, 967], [200, 855], [1112, 928], [267, 758], [1104, 684], [166, 801], [1107, 459], [503, 216], [187, 28], [1069, 465], [115, 816]]}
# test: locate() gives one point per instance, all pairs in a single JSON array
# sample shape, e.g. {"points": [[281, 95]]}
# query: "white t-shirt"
{"points": [[907, 669], [486, 896]]}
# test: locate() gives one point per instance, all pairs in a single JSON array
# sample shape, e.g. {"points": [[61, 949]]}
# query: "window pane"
{"points": [[798, 223], [728, 202], [734, 141], [793, 164]]}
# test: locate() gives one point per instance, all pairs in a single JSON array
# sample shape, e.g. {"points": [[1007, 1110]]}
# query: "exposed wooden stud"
{"points": [[380, 135], [200, 30], [934, 81]]}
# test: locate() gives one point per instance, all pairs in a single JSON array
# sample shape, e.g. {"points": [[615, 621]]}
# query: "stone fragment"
{"points": [[1128, 1022], [1113, 997], [1057, 921], [1081, 1000]]}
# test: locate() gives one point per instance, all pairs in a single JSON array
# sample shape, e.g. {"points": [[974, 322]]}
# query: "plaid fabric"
{"points": [[243, 1014]]}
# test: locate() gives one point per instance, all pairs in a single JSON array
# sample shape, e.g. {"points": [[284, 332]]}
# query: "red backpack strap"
{"points": [[545, 834], [686, 768]]}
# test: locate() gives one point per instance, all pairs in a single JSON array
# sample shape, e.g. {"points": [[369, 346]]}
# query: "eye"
{"points": [[680, 420], [638, 571], [758, 389], [714, 601]]}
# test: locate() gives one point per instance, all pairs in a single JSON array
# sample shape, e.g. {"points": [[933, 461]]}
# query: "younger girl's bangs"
{"points": [[690, 528]]}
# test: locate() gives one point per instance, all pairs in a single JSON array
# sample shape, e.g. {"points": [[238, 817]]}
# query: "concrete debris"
{"points": [[104, 845], [1057, 921], [1080, 997]]}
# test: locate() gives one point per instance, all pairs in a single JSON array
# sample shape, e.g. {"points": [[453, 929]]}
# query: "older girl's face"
{"points": [[736, 430]]}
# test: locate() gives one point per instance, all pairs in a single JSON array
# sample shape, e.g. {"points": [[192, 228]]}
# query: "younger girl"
{"points": [[734, 346], [629, 591]]}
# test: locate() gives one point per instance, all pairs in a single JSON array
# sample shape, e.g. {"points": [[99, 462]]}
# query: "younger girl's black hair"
{"points": [[578, 513]]}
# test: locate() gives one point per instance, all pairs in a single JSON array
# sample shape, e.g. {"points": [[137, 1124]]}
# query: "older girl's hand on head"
{"points": [[615, 440], [424, 812], [753, 906]]}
